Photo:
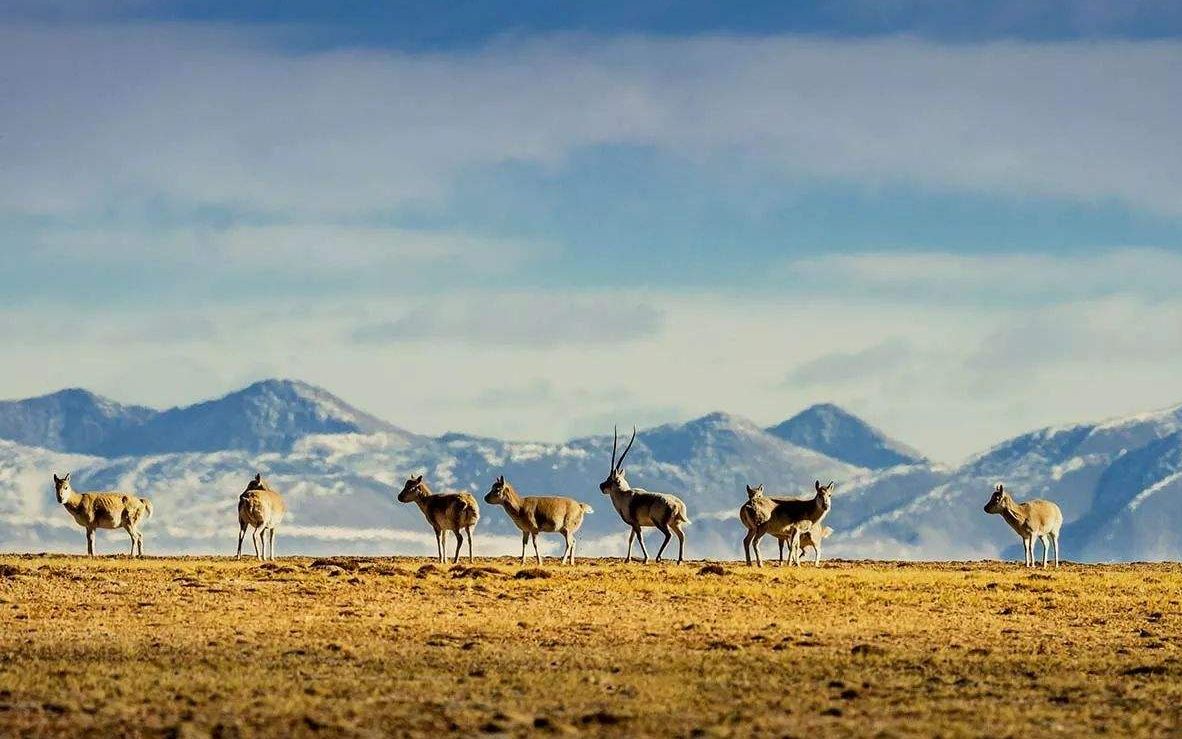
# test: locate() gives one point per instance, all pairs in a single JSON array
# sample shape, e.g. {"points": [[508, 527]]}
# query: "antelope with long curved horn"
{"points": [[640, 508]]}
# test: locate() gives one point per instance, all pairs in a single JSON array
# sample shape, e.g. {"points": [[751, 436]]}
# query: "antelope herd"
{"points": [[794, 522]]}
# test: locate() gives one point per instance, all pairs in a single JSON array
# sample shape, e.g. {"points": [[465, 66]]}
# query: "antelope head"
{"points": [[62, 486], [414, 489], [754, 492], [615, 482], [496, 495], [824, 493], [257, 483], [998, 500]]}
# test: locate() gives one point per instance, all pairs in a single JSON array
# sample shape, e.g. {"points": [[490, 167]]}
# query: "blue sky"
{"points": [[971, 211], [421, 26]]}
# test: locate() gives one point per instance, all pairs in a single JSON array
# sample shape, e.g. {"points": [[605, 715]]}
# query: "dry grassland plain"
{"points": [[402, 647]]}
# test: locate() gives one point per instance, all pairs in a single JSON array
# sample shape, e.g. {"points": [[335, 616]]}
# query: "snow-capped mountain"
{"points": [[267, 416], [72, 420], [831, 430], [1119, 482], [1107, 478], [341, 481]]}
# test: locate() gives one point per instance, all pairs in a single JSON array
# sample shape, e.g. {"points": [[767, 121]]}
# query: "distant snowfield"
{"points": [[1119, 483]]}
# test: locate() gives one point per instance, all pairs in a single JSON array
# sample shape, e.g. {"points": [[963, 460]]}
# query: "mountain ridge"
{"points": [[1118, 481], [834, 431], [71, 420], [268, 415]]}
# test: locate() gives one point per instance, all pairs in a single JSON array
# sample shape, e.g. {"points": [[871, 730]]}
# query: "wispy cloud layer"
{"points": [[217, 118], [841, 368], [527, 321], [998, 279], [949, 378], [186, 173]]}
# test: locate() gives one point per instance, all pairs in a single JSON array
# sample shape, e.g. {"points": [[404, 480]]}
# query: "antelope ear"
{"points": [[817, 485], [66, 478], [258, 477], [418, 479], [830, 485], [56, 479], [750, 489]]}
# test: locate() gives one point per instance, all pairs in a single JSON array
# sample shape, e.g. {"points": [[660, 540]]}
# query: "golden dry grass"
{"points": [[194, 647]]}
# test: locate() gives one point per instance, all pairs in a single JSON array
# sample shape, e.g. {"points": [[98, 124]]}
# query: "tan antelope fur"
{"points": [[640, 508], [263, 508], [811, 538], [784, 518], [445, 512], [1034, 519], [757, 516], [753, 514], [535, 514], [106, 510]]}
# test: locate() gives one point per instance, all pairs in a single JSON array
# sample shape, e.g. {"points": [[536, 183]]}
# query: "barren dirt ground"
{"points": [[197, 647]]}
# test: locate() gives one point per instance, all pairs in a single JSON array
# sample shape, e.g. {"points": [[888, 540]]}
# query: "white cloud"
{"points": [[955, 377], [308, 248], [1106, 331], [841, 368], [203, 115], [995, 278], [527, 320], [100, 122]]}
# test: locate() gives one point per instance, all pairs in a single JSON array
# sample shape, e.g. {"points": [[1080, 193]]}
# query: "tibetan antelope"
{"points": [[784, 518], [811, 538], [263, 508], [640, 508], [535, 514], [1034, 519], [445, 512], [109, 510]]}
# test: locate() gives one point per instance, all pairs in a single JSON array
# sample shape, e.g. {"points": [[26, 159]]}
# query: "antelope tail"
{"points": [[586, 508]]}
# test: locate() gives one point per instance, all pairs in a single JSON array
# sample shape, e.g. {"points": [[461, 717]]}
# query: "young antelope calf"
{"points": [[445, 512], [811, 538], [534, 514], [1034, 519], [263, 508], [110, 510]]}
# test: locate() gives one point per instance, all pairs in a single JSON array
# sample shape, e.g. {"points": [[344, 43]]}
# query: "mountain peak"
{"points": [[274, 384], [72, 396], [71, 392], [268, 415], [719, 419], [70, 420], [832, 430]]}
